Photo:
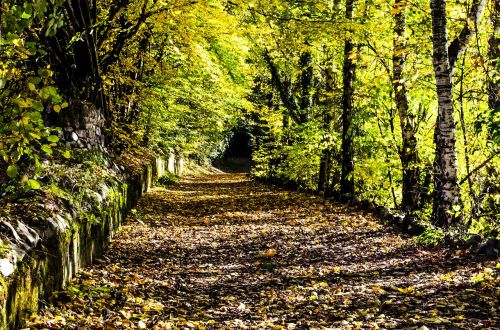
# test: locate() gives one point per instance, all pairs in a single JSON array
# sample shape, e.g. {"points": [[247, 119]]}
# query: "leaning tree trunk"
{"points": [[349, 74], [447, 188], [408, 152], [283, 87]]}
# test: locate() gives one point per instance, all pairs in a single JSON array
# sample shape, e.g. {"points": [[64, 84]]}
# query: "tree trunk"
{"points": [[306, 84], [326, 159], [447, 189], [446, 186], [349, 74], [494, 56], [492, 185], [408, 152]]}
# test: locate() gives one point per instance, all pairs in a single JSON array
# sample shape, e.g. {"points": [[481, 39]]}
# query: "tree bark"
{"points": [[349, 74], [408, 153], [306, 84], [494, 56], [492, 185], [326, 161], [284, 90], [447, 189]]}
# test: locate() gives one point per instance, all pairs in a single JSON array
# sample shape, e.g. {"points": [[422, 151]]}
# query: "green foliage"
{"points": [[286, 30], [178, 77], [296, 161], [168, 179], [26, 90], [431, 236]]}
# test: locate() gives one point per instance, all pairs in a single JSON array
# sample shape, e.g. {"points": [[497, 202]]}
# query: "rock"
{"points": [[30, 236], [364, 204], [383, 212], [356, 200], [6, 268], [474, 241], [345, 198], [62, 222], [18, 251], [97, 197], [12, 230], [104, 193], [398, 219], [413, 225], [52, 223], [74, 137], [371, 206], [490, 248]]}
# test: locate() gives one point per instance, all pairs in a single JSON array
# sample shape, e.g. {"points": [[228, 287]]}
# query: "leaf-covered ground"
{"points": [[225, 252]]}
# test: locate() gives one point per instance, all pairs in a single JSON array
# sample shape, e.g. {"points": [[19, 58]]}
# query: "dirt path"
{"points": [[225, 252]]}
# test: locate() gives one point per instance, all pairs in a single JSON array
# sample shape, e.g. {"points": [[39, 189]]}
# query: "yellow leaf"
{"points": [[57, 108], [31, 86], [35, 136], [21, 103], [378, 290], [408, 290], [88, 282], [446, 277], [269, 253], [395, 11], [18, 42]]}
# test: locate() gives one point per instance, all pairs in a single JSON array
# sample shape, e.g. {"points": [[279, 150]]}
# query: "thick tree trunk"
{"points": [[349, 74], [447, 189], [408, 153], [446, 186]]}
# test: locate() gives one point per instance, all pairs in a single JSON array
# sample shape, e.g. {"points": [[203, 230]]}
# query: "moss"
{"points": [[53, 263]]}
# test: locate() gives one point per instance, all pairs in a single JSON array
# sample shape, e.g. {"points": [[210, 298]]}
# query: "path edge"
{"points": [[45, 259]]}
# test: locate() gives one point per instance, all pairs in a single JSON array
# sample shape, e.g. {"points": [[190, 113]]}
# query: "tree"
{"points": [[447, 199], [349, 75], [408, 152]]}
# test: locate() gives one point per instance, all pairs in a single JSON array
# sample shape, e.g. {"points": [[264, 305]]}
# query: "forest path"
{"points": [[222, 251]]}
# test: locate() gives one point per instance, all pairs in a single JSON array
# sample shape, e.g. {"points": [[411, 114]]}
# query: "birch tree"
{"points": [[447, 199]]}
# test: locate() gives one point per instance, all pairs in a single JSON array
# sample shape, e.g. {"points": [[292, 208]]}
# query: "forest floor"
{"points": [[222, 251]]}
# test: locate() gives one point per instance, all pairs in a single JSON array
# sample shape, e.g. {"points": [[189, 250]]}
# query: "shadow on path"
{"points": [[225, 252]]}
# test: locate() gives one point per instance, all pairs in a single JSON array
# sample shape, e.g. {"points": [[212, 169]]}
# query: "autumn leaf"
{"points": [[268, 253]]}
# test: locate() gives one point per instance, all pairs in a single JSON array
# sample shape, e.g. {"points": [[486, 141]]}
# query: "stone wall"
{"points": [[43, 257], [82, 126]]}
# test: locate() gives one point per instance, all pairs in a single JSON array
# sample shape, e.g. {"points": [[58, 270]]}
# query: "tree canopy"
{"points": [[397, 102]]}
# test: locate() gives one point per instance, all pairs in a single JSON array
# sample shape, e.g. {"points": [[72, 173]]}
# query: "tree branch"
{"points": [[286, 98], [459, 44], [483, 164]]}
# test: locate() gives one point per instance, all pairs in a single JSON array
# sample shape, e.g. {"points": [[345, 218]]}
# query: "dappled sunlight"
{"points": [[225, 252]]}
